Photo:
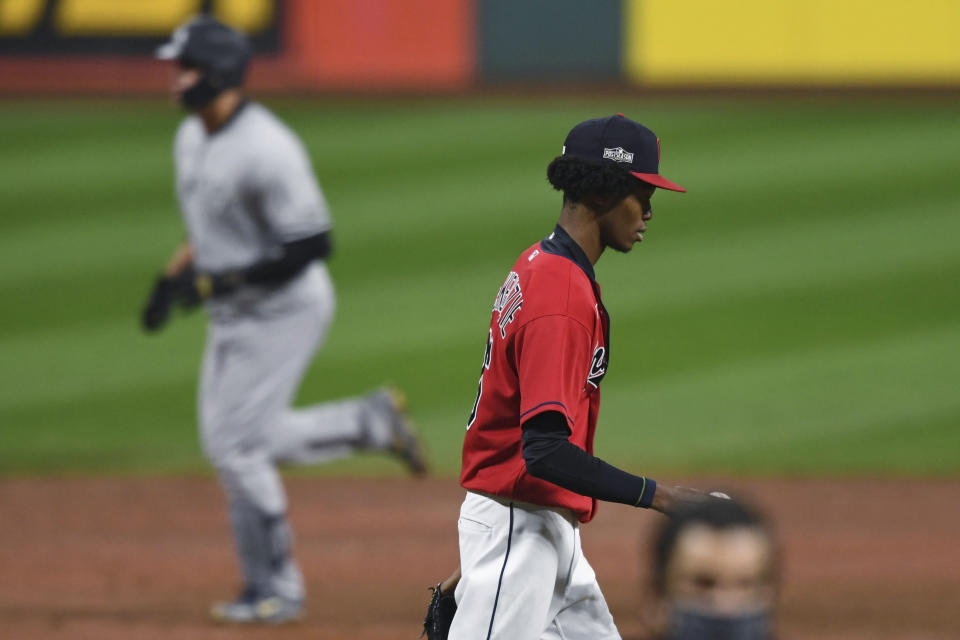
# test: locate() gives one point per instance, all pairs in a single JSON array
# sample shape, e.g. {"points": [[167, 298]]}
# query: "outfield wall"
{"points": [[453, 45], [789, 42]]}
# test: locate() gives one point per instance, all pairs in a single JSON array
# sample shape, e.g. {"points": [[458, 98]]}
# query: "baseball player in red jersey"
{"points": [[528, 464]]}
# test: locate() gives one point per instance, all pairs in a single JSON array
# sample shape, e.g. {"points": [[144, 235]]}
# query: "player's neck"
{"points": [[217, 113], [581, 224]]}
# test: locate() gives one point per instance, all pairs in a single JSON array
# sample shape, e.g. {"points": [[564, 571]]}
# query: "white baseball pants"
{"points": [[525, 576]]}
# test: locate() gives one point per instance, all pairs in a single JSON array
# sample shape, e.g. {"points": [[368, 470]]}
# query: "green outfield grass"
{"points": [[798, 311]]}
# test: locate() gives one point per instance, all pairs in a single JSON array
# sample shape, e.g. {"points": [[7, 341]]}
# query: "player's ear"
{"points": [[600, 205]]}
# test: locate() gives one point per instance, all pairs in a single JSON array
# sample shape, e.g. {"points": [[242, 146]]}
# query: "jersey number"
{"points": [[486, 365]]}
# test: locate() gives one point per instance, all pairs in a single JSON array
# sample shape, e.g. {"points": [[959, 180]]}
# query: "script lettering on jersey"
{"points": [[598, 367], [508, 303]]}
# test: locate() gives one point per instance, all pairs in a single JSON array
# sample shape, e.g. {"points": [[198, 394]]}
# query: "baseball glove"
{"points": [[436, 624], [166, 292]]}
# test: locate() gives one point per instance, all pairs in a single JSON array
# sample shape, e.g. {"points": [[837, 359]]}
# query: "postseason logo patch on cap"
{"points": [[618, 154]]}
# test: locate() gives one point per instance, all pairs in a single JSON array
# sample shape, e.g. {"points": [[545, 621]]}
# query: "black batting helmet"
{"points": [[222, 53]]}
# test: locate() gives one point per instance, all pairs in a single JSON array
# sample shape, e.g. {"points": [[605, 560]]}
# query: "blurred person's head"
{"points": [[211, 60], [715, 573]]}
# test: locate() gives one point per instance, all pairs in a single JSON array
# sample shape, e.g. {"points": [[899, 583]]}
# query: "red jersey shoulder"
{"points": [[543, 284]]}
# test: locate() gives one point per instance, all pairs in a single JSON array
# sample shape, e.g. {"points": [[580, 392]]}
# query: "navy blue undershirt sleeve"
{"points": [[550, 456]]}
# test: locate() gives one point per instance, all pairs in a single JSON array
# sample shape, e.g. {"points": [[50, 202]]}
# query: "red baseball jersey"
{"points": [[548, 348]]}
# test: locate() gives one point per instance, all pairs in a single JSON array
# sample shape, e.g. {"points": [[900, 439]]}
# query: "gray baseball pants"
{"points": [[252, 367]]}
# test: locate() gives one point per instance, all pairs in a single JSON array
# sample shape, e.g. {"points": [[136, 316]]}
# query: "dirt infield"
{"points": [[139, 558]]}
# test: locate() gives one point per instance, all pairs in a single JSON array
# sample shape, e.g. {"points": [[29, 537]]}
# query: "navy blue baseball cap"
{"points": [[206, 42], [619, 140]]}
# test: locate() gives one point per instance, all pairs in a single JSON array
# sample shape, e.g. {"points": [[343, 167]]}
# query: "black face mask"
{"points": [[202, 93], [689, 624]]}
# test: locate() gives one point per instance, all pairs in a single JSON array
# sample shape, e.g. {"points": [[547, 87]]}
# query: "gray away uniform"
{"points": [[244, 190]]}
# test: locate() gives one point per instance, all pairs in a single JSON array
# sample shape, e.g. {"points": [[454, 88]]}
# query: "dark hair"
{"points": [[716, 514], [598, 186]]}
